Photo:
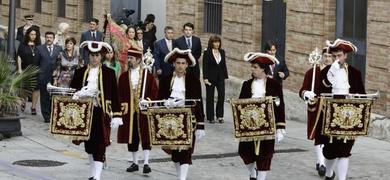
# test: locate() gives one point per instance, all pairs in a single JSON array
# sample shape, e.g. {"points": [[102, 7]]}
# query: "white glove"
{"points": [[172, 102], [143, 104], [116, 122], [84, 92], [309, 95], [199, 133], [280, 133]]}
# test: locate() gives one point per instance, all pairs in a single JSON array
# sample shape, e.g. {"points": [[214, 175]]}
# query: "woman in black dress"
{"points": [[28, 55]]}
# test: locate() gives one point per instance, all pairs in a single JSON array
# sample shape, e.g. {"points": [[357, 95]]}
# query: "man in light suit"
{"points": [[48, 54], [189, 41], [161, 49], [93, 34]]}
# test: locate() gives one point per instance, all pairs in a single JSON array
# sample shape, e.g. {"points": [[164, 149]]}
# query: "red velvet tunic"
{"points": [[125, 92], [312, 107]]}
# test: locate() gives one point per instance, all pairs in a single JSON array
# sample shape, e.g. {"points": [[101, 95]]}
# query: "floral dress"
{"points": [[66, 65]]}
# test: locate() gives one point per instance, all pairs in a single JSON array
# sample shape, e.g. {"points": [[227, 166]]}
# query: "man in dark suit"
{"points": [[161, 49], [280, 71], [93, 34], [48, 54], [22, 29], [189, 41]]}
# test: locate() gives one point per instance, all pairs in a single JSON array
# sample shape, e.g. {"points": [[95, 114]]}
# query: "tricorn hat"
{"points": [[29, 17], [262, 58], [96, 46], [177, 53], [134, 52], [341, 45]]}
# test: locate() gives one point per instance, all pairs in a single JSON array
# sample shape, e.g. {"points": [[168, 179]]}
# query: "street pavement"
{"points": [[215, 156]]}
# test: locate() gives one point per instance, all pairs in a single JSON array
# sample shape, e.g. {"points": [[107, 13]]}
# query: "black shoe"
{"points": [[33, 111], [132, 168], [251, 178], [321, 170], [91, 178], [212, 121], [147, 169], [331, 178]]}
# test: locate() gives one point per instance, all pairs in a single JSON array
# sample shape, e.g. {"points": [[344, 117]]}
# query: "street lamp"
{"points": [[11, 29]]}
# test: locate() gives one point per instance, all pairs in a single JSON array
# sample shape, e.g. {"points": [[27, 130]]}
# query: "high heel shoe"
{"points": [[33, 111]]}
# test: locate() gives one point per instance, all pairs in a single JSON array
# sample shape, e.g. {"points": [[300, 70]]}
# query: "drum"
{"points": [[345, 118], [71, 119], [170, 128], [253, 118]]}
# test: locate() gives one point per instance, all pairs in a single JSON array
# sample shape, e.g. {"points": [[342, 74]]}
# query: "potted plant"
{"points": [[14, 88]]}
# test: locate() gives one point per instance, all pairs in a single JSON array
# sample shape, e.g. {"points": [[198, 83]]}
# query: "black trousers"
{"points": [[210, 89], [45, 103]]}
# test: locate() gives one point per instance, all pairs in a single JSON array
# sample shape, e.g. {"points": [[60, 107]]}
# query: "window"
{"points": [[355, 19], [38, 6], [212, 16], [88, 10], [61, 8], [18, 4]]}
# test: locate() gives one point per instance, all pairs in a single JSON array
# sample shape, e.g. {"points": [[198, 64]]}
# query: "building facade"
{"points": [[49, 13], [308, 24]]}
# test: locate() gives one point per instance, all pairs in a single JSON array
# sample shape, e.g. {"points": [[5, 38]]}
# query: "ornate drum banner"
{"points": [[170, 128], [346, 118], [253, 119], [71, 119]]}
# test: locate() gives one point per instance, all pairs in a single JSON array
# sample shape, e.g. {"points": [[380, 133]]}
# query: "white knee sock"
{"points": [[98, 169], [177, 166], [342, 168], [135, 158], [183, 171], [320, 156], [251, 168], [261, 175], [146, 156], [91, 165], [329, 163]]}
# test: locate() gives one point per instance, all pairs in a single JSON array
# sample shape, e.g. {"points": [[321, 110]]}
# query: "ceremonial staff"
{"points": [[314, 59]]}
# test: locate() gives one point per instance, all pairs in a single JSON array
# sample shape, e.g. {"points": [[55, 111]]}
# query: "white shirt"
{"points": [[92, 82], [338, 77], [258, 88], [134, 77], [190, 40], [169, 44], [217, 57], [178, 88], [140, 43]]}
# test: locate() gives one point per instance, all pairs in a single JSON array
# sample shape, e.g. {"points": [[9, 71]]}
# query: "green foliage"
{"points": [[14, 86]]}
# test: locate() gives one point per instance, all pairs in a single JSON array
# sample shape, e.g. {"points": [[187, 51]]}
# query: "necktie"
{"points": [[189, 45], [50, 51], [93, 36]]}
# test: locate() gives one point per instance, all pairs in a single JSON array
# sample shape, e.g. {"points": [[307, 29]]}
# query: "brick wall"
{"points": [[378, 53], [309, 24], [48, 20], [240, 33]]}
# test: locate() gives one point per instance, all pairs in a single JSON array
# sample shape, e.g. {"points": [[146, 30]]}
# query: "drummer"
{"points": [[340, 78], [99, 82], [259, 159], [179, 86]]}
